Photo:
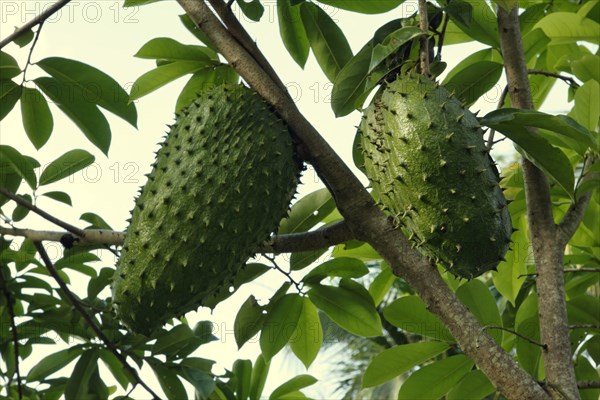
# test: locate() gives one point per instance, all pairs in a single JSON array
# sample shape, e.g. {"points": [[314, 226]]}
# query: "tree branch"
{"points": [[567, 79], [92, 236], [542, 345], [424, 40], [588, 384], [37, 20], [547, 250], [368, 223], [13, 328], [22, 202], [89, 319]]}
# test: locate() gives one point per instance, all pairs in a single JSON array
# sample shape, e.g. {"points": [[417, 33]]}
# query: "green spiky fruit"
{"points": [[222, 181], [426, 158]]}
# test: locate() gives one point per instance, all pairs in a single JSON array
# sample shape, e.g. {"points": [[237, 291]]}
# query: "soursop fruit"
{"points": [[222, 181], [427, 161]]}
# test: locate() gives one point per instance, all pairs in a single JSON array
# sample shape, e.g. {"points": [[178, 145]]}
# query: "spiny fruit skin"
{"points": [[222, 181], [426, 159]]}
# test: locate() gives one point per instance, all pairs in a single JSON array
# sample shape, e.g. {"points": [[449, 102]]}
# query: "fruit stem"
{"points": [[424, 40]]}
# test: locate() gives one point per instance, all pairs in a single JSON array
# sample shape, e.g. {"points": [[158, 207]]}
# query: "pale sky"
{"points": [[104, 35]]}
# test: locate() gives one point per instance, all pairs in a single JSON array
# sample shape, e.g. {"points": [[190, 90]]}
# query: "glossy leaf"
{"points": [[116, 368], [351, 312], [248, 321], [293, 385], [292, 31], [474, 386], [20, 212], [587, 68], [355, 249], [350, 84], [527, 324], [37, 118], [59, 196], [24, 39], [259, 377], [476, 19], [307, 338], [343, 267], [20, 165], [203, 383], [472, 82], [382, 283], [242, 369], [95, 86], [533, 146], [587, 106], [308, 212], [435, 380], [364, 7], [205, 79], [509, 278], [170, 342], [160, 76], [252, 9], [302, 259], [566, 27], [53, 363], [400, 359], [10, 93], [479, 300], [78, 385], [170, 49], [410, 314], [83, 113], [66, 165], [9, 68], [327, 41], [391, 44], [95, 220], [169, 382], [280, 323]]}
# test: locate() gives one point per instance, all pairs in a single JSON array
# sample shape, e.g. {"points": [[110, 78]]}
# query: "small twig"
{"points": [[88, 318], [567, 79], [13, 328], [424, 39], [441, 37], [35, 40], [582, 270], [22, 202], [588, 384], [584, 326], [501, 101], [36, 21], [543, 346], [287, 274]]}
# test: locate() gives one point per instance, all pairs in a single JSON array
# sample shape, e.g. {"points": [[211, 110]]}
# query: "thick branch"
{"points": [[88, 318], [547, 250], [92, 236], [368, 223], [37, 20]]}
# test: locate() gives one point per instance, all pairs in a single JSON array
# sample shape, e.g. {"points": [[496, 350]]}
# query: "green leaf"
{"points": [[351, 312], [248, 321], [20, 212], [78, 384], [587, 106], [302, 259], [292, 31], [170, 49], [59, 196], [435, 380], [527, 324], [53, 363], [308, 212], [410, 314], [392, 43], [566, 27], [478, 299], [95, 220], [24, 39], [10, 93], [476, 19], [293, 385], [205, 79], [259, 377], [169, 382], [83, 113], [395, 361], [328, 43], [37, 118], [203, 383], [355, 249], [584, 370], [534, 43], [242, 369], [95, 86], [194, 30], [66, 165], [307, 338], [343, 267], [172, 341], [509, 278], [364, 7], [19, 164], [587, 68], [251, 9], [116, 368], [472, 82], [510, 122], [282, 319], [160, 76], [382, 283], [350, 85], [474, 386], [9, 68]]}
